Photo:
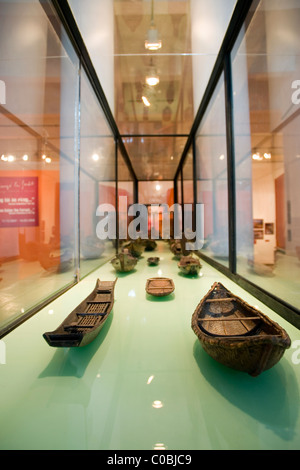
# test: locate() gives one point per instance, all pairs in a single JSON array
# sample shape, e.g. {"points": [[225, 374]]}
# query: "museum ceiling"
{"points": [[155, 120]]}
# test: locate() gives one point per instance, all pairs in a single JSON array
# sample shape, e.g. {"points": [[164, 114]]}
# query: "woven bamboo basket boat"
{"points": [[84, 323], [159, 286], [236, 334], [153, 261], [124, 262], [189, 265]]}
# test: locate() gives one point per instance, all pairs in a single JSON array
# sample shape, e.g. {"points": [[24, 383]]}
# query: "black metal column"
{"points": [[230, 165]]}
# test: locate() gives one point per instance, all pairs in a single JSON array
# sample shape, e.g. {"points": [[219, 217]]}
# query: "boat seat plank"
{"points": [[71, 327], [230, 319], [101, 314]]}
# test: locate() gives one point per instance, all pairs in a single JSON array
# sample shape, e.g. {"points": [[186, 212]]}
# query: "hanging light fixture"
{"points": [[152, 78], [152, 42]]}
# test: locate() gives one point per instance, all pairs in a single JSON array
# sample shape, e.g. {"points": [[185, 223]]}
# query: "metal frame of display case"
{"points": [[223, 65], [60, 9]]}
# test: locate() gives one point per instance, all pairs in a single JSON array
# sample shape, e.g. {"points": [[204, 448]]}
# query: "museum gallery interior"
{"points": [[150, 225]]}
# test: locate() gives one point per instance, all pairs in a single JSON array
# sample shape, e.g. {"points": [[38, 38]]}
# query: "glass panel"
{"points": [[39, 97], [125, 195], [179, 188], [188, 174], [97, 180], [116, 34], [266, 70], [154, 194], [155, 158], [211, 163]]}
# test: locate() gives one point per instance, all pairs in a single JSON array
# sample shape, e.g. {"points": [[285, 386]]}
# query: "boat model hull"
{"points": [[236, 334], [85, 322]]}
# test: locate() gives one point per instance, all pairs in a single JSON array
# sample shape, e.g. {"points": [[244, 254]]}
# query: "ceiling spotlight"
{"points": [[157, 187], [10, 158], [267, 156], [152, 42], [95, 157], [25, 158], [145, 101], [48, 160]]}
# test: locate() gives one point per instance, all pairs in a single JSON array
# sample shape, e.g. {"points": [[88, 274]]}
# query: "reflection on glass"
{"points": [[188, 197], [37, 127], [155, 195], [265, 64], [157, 404], [155, 157], [188, 175], [97, 179], [125, 197], [211, 164]]}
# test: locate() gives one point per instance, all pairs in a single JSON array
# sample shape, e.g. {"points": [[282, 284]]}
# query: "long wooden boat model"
{"points": [[236, 334], [84, 323]]}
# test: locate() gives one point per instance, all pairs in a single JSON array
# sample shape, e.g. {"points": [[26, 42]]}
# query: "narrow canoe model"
{"points": [[159, 286], [236, 334], [86, 320]]}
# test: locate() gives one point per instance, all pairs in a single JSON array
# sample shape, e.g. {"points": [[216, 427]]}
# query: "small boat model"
{"points": [[86, 320], [150, 245], [135, 247], [153, 261], [159, 286], [236, 334], [176, 248], [124, 262], [190, 265]]}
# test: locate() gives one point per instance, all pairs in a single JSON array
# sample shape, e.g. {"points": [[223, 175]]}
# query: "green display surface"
{"points": [[145, 381]]}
